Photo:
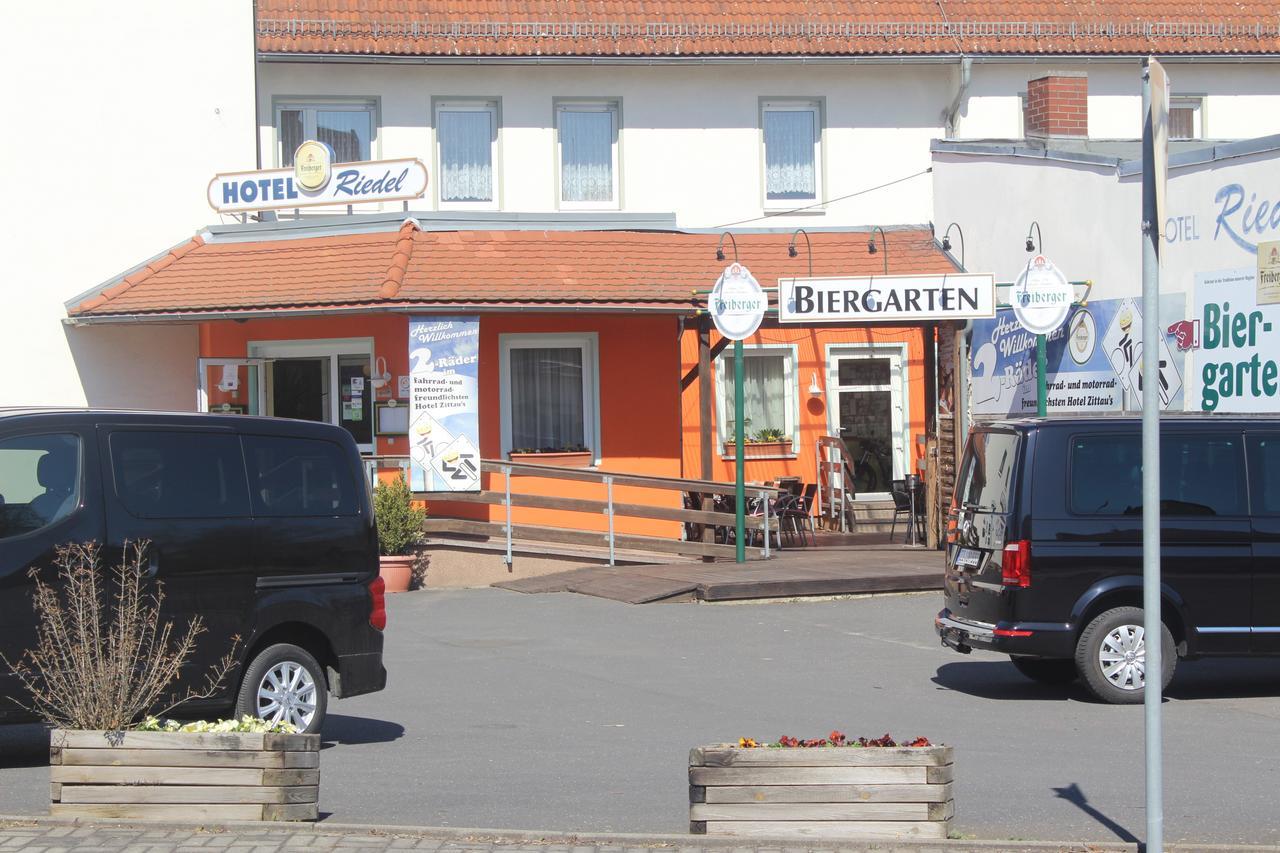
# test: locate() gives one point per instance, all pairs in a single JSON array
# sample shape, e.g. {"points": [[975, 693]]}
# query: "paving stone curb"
{"points": [[15, 824]]}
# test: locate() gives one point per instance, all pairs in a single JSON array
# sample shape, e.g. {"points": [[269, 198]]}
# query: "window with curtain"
{"points": [[588, 142], [1184, 118], [547, 398], [767, 394], [346, 128], [466, 135], [791, 136]]}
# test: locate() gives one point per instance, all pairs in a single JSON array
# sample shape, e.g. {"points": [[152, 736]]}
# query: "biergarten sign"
{"points": [[315, 180], [737, 303], [886, 298]]}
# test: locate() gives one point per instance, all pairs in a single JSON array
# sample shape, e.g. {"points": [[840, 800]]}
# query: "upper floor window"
{"points": [[1186, 118], [346, 127], [466, 142], [587, 139], [792, 152]]}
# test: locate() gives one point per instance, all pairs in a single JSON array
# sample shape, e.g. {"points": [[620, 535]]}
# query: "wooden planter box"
{"points": [[760, 448], [568, 459], [184, 776], [823, 792]]}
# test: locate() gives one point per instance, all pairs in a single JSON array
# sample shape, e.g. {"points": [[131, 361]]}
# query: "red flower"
{"points": [[836, 737]]}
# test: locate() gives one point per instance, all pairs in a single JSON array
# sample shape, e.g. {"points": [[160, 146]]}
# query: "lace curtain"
{"points": [[586, 156], [466, 155], [764, 394], [789, 137], [546, 398]]}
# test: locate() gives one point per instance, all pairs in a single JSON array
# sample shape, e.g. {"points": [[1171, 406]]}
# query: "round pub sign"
{"points": [[312, 165], [1041, 297], [737, 303]]}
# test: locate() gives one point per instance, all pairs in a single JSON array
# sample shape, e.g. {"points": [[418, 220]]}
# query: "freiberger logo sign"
{"points": [[737, 303], [886, 298], [314, 181]]}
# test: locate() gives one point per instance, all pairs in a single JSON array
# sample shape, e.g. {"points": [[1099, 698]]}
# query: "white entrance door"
{"points": [[866, 407], [230, 386]]}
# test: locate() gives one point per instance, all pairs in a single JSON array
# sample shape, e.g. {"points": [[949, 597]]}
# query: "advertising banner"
{"points": [[1094, 362], [444, 403], [1236, 366]]}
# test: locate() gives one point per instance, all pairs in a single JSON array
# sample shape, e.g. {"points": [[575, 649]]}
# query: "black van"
{"points": [[1044, 554], [261, 526]]}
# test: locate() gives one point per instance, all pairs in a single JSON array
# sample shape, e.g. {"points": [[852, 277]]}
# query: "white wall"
{"points": [[1089, 217], [127, 114], [690, 135]]}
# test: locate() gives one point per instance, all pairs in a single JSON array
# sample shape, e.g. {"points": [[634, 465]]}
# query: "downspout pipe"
{"points": [[962, 90]]}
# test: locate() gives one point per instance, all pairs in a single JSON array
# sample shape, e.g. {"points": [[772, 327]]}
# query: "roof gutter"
{"points": [[868, 59], [422, 308]]}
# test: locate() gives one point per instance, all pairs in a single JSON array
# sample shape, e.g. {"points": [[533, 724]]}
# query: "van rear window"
{"points": [[986, 474]]}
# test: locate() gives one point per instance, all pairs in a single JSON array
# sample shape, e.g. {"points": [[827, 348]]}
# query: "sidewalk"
{"points": [[51, 835]]}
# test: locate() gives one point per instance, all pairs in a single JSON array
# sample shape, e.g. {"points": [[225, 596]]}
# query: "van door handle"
{"points": [[153, 562]]}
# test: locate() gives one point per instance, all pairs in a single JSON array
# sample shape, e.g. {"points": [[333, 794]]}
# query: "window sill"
{"points": [[792, 211]]}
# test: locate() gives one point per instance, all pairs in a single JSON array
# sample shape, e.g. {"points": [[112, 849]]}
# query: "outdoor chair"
{"points": [[901, 505], [799, 513]]}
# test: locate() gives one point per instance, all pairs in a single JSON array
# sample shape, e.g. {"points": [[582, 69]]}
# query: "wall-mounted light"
{"points": [[792, 252], [720, 246], [884, 243], [815, 390], [1038, 245], [946, 241]]}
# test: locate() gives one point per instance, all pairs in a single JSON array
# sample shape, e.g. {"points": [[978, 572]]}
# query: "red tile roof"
{"points": [[765, 27], [600, 270]]}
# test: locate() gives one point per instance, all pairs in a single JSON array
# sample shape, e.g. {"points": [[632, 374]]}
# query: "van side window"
{"points": [[1199, 475], [1264, 474], [299, 477], [179, 474], [39, 481]]}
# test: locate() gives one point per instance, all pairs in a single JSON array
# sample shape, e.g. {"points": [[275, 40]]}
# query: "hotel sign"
{"points": [[886, 298], [336, 184]]}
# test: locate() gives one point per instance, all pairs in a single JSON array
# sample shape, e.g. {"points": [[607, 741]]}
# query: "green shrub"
{"points": [[399, 521]]}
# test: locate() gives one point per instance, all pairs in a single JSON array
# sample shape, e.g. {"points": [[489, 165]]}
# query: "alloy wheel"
{"points": [[287, 693]]}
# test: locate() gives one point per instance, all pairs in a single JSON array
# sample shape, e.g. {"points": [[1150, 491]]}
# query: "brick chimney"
{"points": [[1058, 105]]}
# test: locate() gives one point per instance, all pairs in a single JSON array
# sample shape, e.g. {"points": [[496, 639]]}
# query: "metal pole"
{"points": [[739, 468], [1153, 666], [1042, 379], [764, 502], [506, 478]]}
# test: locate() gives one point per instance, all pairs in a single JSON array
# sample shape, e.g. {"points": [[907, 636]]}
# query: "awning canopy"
{"points": [[274, 272]]}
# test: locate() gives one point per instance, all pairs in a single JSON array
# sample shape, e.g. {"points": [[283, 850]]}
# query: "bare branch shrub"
{"points": [[102, 658]]}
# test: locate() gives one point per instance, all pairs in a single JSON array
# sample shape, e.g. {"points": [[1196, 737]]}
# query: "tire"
{"points": [[286, 665], [1115, 634], [1047, 670]]}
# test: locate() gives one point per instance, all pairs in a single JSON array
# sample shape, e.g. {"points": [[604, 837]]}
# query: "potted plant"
{"points": [[103, 660], [567, 455], [832, 787], [399, 532], [764, 442]]}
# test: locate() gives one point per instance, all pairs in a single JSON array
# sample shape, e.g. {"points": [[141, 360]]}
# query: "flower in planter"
{"points": [[244, 725], [836, 738]]}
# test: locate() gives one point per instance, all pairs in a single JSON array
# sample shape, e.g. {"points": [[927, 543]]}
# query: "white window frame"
{"points": [[725, 431], [810, 105], [310, 106], [589, 344], [492, 107], [899, 389], [255, 365], [614, 108], [1196, 104], [266, 351]]}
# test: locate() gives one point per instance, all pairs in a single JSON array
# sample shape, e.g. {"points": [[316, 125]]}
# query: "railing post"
{"points": [[506, 502], [764, 501], [608, 485]]}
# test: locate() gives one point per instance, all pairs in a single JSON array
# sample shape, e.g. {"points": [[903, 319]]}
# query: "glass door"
{"points": [[320, 380], [230, 386], [866, 412]]}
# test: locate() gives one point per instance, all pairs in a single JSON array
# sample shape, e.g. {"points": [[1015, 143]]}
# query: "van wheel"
{"points": [[1046, 670], [284, 683], [1111, 656]]}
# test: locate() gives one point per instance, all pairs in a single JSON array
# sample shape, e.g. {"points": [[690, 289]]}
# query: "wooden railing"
{"points": [[835, 484], [699, 524]]}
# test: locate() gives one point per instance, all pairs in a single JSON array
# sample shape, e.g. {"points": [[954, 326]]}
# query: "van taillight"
{"points": [[378, 603], [1015, 565]]}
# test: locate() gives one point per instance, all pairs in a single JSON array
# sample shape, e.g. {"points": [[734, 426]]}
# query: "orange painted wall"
{"points": [[811, 345], [639, 379]]}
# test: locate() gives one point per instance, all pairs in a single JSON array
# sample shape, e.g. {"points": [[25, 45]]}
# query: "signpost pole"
{"points": [[1042, 379], [739, 467], [1152, 629]]}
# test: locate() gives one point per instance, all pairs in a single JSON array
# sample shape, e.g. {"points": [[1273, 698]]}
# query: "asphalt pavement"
{"points": [[562, 712]]}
